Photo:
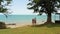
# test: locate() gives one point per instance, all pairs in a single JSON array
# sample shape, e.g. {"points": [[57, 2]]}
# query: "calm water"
{"points": [[24, 18]]}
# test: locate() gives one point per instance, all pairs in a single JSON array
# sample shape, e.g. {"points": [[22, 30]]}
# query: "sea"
{"points": [[26, 19]]}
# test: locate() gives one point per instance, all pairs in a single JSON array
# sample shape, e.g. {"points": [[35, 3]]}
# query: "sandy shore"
{"points": [[17, 25], [21, 25]]}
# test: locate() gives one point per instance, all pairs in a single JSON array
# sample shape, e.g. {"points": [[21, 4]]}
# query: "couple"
{"points": [[34, 21]]}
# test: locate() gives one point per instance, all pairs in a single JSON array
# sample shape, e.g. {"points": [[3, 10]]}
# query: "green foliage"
{"points": [[3, 5], [44, 6]]}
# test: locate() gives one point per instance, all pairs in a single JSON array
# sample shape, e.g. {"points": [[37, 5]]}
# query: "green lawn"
{"points": [[47, 29]]}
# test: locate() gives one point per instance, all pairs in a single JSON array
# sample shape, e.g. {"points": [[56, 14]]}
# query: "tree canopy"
{"points": [[44, 6], [3, 5]]}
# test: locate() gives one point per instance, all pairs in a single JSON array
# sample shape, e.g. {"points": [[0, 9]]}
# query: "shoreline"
{"points": [[17, 25]]}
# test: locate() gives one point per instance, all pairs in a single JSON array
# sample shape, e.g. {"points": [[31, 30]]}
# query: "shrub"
{"points": [[2, 25]]}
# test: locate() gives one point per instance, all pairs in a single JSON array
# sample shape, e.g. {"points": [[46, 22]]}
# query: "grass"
{"points": [[44, 29]]}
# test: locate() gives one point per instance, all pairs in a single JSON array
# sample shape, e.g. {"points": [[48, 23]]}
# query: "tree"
{"points": [[44, 6], [4, 10], [3, 6]]}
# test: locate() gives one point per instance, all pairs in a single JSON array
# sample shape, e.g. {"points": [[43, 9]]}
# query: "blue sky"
{"points": [[20, 7]]}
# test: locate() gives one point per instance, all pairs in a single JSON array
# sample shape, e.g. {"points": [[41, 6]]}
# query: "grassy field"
{"points": [[46, 29]]}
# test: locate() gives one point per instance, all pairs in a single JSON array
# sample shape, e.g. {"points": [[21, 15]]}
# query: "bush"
{"points": [[2, 25]]}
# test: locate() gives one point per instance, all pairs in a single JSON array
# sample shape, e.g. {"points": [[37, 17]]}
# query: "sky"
{"points": [[20, 7]]}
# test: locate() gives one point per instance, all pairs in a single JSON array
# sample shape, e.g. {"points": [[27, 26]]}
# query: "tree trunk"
{"points": [[49, 21]]}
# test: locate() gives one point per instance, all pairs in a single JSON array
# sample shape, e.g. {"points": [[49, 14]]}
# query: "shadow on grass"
{"points": [[47, 25], [53, 25]]}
